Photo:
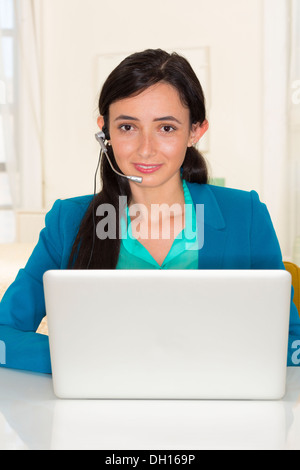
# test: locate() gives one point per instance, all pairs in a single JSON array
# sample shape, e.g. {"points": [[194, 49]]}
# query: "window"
{"points": [[294, 124], [8, 101]]}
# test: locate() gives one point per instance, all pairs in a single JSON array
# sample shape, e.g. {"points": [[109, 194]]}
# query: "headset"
{"points": [[102, 137]]}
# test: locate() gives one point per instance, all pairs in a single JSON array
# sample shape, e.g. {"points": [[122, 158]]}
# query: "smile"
{"points": [[146, 168]]}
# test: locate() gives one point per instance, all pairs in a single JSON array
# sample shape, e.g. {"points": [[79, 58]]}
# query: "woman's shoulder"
{"points": [[75, 205], [223, 195], [234, 195], [228, 205], [79, 202], [66, 214]]}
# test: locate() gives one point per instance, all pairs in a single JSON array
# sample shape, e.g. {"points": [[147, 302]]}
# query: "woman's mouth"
{"points": [[146, 168]]}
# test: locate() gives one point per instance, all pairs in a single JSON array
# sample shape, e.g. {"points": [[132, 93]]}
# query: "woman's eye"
{"points": [[126, 127], [168, 129]]}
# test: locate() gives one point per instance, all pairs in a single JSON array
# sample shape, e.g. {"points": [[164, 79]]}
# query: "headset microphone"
{"points": [[100, 137]]}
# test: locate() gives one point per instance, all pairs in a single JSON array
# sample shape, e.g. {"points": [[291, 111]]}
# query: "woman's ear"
{"points": [[102, 126], [198, 131], [100, 122]]}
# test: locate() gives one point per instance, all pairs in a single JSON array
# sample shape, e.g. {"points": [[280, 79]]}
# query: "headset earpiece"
{"points": [[106, 133], [102, 137]]}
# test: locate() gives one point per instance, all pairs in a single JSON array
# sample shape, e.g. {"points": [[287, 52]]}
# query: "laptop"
{"points": [[168, 334]]}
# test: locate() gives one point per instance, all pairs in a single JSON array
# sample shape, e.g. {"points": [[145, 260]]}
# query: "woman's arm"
{"points": [[23, 307], [25, 350]]}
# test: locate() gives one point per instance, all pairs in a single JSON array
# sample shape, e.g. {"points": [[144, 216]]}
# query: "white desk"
{"points": [[32, 418]]}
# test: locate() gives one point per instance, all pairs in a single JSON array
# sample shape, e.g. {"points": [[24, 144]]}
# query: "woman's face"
{"points": [[150, 134]]}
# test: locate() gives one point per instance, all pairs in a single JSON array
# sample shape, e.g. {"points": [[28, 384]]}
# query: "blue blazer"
{"points": [[238, 234]]}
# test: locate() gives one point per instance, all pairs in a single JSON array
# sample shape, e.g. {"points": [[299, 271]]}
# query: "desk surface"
{"points": [[32, 418]]}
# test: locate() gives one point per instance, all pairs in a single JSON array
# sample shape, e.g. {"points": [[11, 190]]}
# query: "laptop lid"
{"points": [[169, 334]]}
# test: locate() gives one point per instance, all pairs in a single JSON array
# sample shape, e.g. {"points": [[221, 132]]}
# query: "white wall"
{"points": [[76, 32], [237, 32]]}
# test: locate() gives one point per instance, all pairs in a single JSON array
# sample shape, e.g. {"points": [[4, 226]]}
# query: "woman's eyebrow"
{"points": [[124, 117], [167, 118]]}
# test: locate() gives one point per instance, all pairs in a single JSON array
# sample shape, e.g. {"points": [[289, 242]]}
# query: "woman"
{"points": [[152, 112]]}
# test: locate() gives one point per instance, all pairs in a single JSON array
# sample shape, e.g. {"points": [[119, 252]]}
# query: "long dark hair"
{"points": [[132, 76]]}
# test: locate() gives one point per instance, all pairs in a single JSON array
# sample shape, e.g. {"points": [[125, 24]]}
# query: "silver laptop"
{"points": [[168, 334]]}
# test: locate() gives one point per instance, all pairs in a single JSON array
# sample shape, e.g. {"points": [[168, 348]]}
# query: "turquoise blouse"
{"points": [[182, 255]]}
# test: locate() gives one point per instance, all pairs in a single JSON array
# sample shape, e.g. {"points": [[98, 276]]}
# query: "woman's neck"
{"points": [[158, 205], [169, 193]]}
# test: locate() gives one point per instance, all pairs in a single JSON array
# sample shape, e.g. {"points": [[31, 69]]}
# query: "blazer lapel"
{"points": [[213, 233]]}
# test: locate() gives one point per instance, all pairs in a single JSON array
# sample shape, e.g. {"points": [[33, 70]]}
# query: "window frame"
{"points": [[11, 108]]}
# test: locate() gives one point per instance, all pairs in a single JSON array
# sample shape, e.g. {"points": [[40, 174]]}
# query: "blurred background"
{"points": [[55, 54]]}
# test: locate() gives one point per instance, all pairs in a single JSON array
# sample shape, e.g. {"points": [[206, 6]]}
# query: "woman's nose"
{"points": [[146, 146]]}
